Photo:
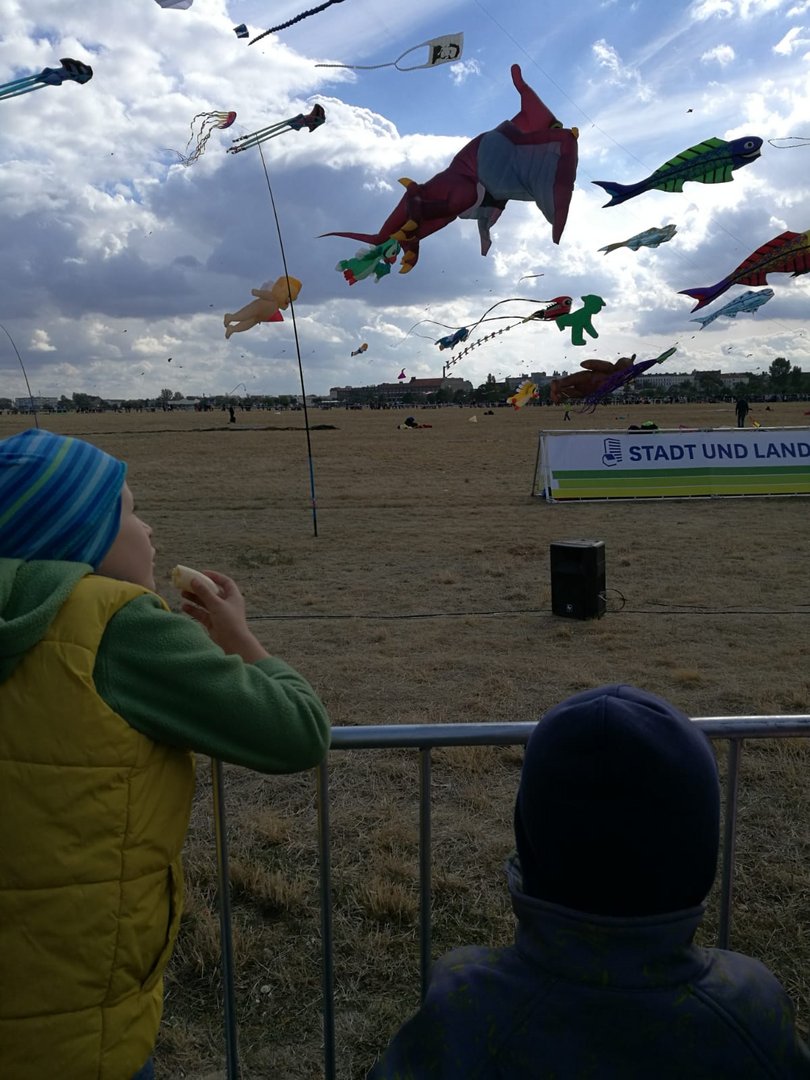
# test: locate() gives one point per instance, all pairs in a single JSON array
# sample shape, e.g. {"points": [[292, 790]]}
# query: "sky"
{"points": [[117, 257]]}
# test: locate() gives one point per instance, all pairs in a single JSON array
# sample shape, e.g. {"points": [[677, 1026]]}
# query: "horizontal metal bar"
{"points": [[410, 736]]}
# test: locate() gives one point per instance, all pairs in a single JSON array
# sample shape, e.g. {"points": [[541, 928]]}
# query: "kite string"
{"points": [[298, 18], [25, 373], [790, 143], [297, 351]]}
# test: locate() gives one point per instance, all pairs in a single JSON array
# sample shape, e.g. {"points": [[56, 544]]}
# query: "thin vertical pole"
{"points": [[224, 891], [312, 497], [729, 838], [537, 464], [25, 373], [327, 963], [425, 928]]}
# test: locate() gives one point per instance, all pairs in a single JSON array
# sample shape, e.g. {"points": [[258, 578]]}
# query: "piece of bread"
{"points": [[182, 576]]}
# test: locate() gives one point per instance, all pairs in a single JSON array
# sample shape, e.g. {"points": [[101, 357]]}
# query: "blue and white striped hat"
{"points": [[60, 498]]}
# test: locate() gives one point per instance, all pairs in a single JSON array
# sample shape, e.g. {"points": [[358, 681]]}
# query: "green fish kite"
{"points": [[710, 162]]}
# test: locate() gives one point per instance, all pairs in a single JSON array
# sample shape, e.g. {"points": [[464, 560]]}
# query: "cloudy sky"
{"points": [[117, 257]]}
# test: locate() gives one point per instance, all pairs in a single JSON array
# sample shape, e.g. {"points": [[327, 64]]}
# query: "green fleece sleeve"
{"points": [[163, 674]]}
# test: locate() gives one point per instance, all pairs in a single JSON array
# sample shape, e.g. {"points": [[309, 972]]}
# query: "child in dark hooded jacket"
{"points": [[617, 832]]}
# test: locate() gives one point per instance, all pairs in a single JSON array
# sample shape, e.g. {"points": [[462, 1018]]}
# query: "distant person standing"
{"points": [[741, 408], [231, 414]]}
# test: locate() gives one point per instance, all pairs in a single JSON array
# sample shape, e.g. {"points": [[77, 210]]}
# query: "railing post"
{"points": [[729, 838], [226, 941], [327, 962], [425, 882]]}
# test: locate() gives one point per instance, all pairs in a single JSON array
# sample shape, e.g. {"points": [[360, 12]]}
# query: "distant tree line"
{"points": [[781, 380]]}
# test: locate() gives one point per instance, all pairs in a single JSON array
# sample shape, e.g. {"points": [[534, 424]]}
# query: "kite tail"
{"points": [[619, 193], [364, 238], [612, 247], [706, 294]]}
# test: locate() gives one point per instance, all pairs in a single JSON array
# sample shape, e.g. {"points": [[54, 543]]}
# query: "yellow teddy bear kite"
{"points": [[265, 308]]}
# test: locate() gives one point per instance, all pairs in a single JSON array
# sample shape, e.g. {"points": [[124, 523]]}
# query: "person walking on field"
{"points": [[617, 827], [104, 693], [741, 409]]}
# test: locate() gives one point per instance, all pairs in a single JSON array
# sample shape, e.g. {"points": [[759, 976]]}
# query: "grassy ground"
{"points": [[439, 524]]}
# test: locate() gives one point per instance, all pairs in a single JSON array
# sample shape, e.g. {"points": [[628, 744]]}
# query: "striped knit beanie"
{"points": [[60, 498]]}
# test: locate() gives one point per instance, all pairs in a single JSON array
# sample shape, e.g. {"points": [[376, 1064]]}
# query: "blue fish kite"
{"points": [[649, 238], [709, 162], [747, 301], [451, 340]]}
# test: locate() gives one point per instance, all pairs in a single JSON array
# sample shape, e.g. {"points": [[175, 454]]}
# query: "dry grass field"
{"points": [[426, 597]]}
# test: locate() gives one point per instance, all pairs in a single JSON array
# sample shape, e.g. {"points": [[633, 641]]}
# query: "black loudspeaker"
{"points": [[578, 579]]}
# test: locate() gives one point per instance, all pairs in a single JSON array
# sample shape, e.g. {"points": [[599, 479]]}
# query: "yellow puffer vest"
{"points": [[92, 820]]}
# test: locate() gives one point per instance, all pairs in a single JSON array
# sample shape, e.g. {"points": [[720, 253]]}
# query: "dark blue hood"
{"points": [[618, 809]]}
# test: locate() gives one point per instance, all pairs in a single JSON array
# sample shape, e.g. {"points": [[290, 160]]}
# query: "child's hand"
{"points": [[223, 616]]}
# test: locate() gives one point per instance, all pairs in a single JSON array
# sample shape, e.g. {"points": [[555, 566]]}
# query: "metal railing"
{"points": [[425, 738]]}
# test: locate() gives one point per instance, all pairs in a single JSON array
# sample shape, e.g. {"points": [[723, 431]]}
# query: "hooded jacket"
{"points": [[616, 825], [103, 693], [162, 673], [587, 997]]}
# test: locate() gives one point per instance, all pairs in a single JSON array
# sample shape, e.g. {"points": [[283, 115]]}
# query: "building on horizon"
{"points": [[37, 403], [390, 393]]}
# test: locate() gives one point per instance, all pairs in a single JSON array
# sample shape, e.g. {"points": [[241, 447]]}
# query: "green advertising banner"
{"points": [[672, 464]]}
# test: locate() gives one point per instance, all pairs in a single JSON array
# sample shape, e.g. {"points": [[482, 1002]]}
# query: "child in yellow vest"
{"points": [[104, 693]]}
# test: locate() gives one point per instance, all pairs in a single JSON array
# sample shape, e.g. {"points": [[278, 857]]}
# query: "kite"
{"points": [[600, 378], [649, 238], [531, 158], [181, 5], [310, 121], [297, 19], [201, 133], [709, 162], [624, 376], [580, 320], [560, 305], [362, 349], [401, 374], [270, 296], [747, 301], [449, 341], [377, 260], [786, 253], [527, 391], [441, 50], [241, 31], [555, 308], [70, 71]]}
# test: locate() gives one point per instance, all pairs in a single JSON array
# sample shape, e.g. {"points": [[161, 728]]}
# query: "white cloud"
{"points": [[739, 9], [722, 54], [40, 342], [707, 9], [791, 41], [608, 58], [461, 71]]}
